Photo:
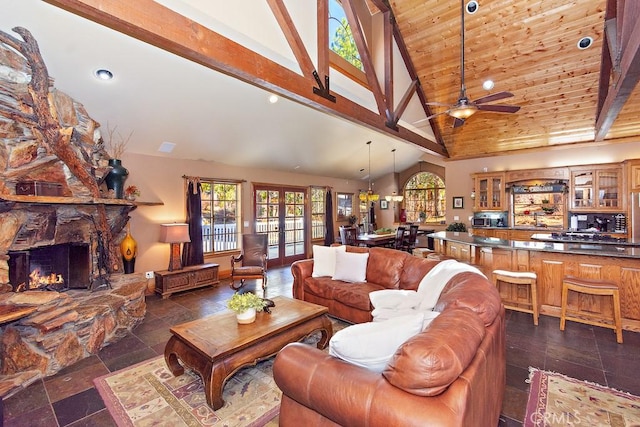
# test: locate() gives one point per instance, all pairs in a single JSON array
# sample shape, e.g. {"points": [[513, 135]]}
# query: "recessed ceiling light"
{"points": [[472, 7], [273, 99], [584, 43], [488, 85], [103, 74]]}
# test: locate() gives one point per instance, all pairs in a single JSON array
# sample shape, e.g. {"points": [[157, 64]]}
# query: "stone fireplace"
{"points": [[60, 227]]}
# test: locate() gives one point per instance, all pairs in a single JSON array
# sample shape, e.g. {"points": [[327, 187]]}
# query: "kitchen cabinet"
{"points": [[523, 235], [501, 234], [633, 174], [489, 191], [460, 251], [482, 232], [598, 188], [191, 277]]}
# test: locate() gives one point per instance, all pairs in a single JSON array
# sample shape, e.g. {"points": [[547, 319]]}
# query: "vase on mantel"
{"points": [[116, 177]]}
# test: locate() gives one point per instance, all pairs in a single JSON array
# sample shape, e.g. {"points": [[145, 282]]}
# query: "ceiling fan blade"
{"points": [[499, 108], [457, 122], [438, 104], [437, 114], [493, 97]]}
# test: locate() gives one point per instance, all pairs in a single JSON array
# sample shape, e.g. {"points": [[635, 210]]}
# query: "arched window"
{"points": [[425, 198]]}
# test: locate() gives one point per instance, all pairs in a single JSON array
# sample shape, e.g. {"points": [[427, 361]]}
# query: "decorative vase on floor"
{"points": [[247, 316], [129, 250], [116, 177]]}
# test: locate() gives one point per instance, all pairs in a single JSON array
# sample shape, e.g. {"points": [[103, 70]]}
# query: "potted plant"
{"points": [[456, 226], [352, 220], [245, 305]]}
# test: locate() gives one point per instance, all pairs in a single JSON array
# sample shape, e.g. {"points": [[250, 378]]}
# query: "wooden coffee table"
{"points": [[217, 346]]}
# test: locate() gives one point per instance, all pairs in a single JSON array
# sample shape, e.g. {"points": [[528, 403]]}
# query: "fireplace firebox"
{"points": [[57, 267]]}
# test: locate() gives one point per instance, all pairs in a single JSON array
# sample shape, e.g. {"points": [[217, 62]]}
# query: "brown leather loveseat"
{"points": [[450, 374]]}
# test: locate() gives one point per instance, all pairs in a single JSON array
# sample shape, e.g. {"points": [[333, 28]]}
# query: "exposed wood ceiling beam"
{"points": [[384, 7], [365, 54], [293, 37], [323, 36], [626, 79], [159, 26]]}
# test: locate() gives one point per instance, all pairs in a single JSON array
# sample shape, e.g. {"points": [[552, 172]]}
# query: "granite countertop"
{"points": [[578, 248]]}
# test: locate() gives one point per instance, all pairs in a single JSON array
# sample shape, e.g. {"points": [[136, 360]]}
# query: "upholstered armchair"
{"points": [[252, 262]]}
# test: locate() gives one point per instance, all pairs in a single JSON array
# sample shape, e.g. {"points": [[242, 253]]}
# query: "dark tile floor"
{"points": [[70, 399]]}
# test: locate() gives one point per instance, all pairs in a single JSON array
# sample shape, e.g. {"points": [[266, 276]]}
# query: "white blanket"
{"points": [[390, 303]]}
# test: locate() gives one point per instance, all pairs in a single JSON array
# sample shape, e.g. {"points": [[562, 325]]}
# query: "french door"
{"points": [[280, 213]]}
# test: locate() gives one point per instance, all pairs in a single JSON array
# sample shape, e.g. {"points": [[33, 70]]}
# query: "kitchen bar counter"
{"points": [[579, 247], [552, 261]]}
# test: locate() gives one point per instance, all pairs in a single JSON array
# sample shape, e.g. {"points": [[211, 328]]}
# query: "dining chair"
{"points": [[348, 235], [410, 242], [399, 240]]}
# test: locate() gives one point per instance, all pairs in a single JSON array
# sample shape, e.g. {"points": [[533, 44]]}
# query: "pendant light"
{"points": [[369, 196], [394, 197]]}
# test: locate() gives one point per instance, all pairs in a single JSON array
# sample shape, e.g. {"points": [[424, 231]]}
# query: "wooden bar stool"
{"points": [[592, 287], [520, 278]]}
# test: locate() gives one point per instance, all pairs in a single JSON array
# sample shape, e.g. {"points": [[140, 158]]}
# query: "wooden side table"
{"points": [[191, 277]]}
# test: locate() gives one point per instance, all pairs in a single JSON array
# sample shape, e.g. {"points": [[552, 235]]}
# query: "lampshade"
{"points": [[368, 196], [174, 233]]}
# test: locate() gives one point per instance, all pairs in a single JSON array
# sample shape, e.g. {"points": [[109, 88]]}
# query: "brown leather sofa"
{"points": [[386, 269], [451, 374]]}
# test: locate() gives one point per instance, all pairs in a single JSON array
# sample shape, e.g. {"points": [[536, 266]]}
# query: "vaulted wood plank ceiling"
{"points": [[529, 49]]}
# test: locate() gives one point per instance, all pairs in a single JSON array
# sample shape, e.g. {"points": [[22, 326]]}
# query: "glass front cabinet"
{"points": [[596, 188], [489, 191]]}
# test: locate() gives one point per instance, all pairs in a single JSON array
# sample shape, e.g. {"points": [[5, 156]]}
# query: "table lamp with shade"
{"points": [[175, 234]]}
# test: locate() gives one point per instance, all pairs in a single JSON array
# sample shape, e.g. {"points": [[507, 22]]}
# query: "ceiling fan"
{"points": [[465, 108]]}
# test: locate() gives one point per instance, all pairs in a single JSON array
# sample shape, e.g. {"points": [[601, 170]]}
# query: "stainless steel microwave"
{"points": [[481, 222]]}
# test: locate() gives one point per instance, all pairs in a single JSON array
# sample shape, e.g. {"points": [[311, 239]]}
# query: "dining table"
{"points": [[373, 239]]}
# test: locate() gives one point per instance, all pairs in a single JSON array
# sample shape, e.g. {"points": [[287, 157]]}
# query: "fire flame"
{"points": [[37, 281]]}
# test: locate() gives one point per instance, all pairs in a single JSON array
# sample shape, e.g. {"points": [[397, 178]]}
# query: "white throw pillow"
{"points": [[324, 260], [351, 267], [371, 345]]}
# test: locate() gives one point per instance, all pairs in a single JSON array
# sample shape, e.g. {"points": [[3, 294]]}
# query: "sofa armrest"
{"points": [[357, 395], [300, 271]]}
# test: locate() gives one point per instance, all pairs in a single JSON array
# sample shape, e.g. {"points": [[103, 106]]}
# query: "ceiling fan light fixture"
{"points": [[463, 112]]}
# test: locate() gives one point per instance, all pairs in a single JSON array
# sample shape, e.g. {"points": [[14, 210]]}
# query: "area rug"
{"points": [[147, 394], [558, 400]]}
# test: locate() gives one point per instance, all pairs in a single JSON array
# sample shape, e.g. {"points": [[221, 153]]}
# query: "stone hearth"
{"points": [[65, 327]]}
